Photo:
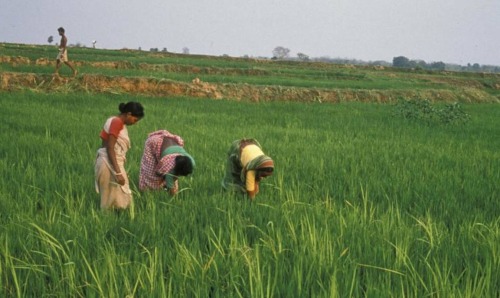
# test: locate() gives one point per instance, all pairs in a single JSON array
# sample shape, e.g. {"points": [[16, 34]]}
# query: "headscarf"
{"points": [[258, 163]]}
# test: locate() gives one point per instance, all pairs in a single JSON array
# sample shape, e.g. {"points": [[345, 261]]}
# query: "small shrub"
{"points": [[424, 111], [453, 114]]}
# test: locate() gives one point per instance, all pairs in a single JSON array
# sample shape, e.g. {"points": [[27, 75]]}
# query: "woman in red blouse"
{"points": [[111, 180]]}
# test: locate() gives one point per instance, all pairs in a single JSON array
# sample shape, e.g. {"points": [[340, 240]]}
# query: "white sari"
{"points": [[113, 195]]}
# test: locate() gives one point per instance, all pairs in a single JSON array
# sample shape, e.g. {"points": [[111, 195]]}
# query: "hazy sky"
{"points": [[451, 31]]}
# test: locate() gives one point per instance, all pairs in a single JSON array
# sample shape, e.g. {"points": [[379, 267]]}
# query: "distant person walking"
{"points": [[62, 56], [111, 180], [164, 160], [246, 166]]}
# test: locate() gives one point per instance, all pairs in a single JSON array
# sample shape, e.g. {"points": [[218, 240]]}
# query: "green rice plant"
{"points": [[361, 203]]}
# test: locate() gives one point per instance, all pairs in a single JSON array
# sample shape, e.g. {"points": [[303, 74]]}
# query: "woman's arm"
{"points": [[110, 148], [251, 184], [171, 184]]}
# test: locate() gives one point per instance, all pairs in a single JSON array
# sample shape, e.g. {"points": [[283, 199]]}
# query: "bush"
{"points": [[424, 111]]}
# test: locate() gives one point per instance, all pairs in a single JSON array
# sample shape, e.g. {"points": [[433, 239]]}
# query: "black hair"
{"points": [[60, 29], [267, 169], [183, 166], [133, 108]]}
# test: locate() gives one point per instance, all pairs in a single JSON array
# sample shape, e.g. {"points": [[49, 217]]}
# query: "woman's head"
{"points": [[133, 112], [183, 165], [266, 168], [265, 172]]}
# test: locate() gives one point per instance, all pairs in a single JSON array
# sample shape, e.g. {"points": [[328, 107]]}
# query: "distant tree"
{"points": [[380, 63], [438, 66], [154, 50], [400, 61], [302, 57], [421, 64], [164, 50], [412, 64], [50, 39], [185, 50], [281, 52]]}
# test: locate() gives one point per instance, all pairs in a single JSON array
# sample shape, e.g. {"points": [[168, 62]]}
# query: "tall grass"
{"points": [[361, 203]]}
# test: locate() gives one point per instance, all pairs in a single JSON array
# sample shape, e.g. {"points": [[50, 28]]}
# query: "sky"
{"points": [[450, 31]]}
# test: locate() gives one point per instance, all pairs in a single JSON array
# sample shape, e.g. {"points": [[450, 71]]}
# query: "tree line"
{"points": [[282, 53], [404, 62]]}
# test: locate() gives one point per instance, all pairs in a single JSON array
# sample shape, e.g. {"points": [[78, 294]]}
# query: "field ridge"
{"points": [[169, 74], [164, 87]]}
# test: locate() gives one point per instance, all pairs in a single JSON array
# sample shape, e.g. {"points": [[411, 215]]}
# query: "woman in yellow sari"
{"points": [[111, 180], [246, 166]]}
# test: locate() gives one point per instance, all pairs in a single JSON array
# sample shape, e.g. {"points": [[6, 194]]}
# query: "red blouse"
{"points": [[114, 129]]}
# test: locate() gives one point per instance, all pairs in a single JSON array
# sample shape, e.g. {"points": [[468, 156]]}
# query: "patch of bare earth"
{"points": [[197, 88]]}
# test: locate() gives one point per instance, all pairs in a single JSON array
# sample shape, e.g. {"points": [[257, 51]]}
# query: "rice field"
{"points": [[362, 203]]}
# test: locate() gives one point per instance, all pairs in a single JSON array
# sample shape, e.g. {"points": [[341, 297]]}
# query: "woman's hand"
{"points": [[120, 179]]}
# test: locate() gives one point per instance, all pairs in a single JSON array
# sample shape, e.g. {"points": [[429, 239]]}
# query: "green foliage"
{"points": [[425, 112], [359, 205], [453, 114]]}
